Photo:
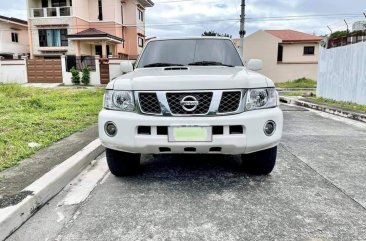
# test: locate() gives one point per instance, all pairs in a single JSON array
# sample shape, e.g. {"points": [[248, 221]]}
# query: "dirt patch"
{"points": [[11, 200]]}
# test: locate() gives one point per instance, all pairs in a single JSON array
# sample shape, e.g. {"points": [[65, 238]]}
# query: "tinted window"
{"points": [[184, 52]]}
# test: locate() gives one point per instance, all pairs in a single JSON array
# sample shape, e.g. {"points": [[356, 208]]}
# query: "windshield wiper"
{"points": [[161, 65], [210, 63]]}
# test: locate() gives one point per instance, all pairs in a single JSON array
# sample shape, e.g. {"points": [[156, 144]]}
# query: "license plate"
{"points": [[190, 134]]}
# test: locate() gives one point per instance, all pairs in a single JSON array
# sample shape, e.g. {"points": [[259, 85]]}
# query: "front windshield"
{"points": [[190, 52]]}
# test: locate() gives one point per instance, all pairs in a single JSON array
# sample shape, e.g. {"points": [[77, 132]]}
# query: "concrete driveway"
{"points": [[316, 192]]}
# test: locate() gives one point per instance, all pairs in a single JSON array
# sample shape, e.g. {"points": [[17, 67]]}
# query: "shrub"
{"points": [[75, 78], [86, 76]]}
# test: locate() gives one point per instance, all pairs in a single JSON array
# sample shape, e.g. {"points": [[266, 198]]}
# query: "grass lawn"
{"points": [[299, 83], [292, 93], [42, 116], [339, 104]]}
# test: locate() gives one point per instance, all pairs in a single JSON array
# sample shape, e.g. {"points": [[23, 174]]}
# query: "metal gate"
{"points": [[44, 71]]}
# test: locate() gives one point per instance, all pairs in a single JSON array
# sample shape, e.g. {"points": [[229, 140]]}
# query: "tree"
{"points": [[214, 33]]}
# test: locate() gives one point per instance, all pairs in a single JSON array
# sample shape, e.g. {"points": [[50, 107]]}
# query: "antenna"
{"points": [[331, 32], [347, 26]]}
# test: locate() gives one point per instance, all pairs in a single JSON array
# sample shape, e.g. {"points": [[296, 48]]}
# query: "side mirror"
{"points": [[255, 64], [126, 67]]}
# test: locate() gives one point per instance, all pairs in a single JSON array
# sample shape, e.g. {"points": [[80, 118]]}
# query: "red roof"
{"points": [[294, 36]]}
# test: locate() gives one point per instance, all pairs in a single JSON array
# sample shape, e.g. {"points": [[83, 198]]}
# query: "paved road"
{"points": [[316, 192]]}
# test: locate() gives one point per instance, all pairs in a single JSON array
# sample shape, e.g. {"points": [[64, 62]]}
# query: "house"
{"points": [[87, 27], [236, 42], [286, 54], [13, 37]]}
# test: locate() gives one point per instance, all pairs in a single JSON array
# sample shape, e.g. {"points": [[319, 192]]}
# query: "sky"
{"points": [[193, 17]]}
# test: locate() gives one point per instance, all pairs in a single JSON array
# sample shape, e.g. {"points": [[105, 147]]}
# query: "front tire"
{"points": [[122, 163], [259, 163]]}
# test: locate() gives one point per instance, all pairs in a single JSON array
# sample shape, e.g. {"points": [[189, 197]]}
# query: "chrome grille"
{"points": [[230, 102], [204, 101], [149, 103]]}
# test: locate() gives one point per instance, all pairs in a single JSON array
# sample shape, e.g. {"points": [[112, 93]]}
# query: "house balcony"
{"points": [[53, 12]]}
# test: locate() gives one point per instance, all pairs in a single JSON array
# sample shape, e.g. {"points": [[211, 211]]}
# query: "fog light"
{"points": [[110, 129], [269, 128]]}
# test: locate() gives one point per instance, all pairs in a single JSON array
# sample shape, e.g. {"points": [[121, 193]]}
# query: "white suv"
{"points": [[191, 96]]}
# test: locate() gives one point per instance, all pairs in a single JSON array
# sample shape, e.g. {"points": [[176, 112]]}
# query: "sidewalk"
{"points": [[350, 114], [15, 179]]}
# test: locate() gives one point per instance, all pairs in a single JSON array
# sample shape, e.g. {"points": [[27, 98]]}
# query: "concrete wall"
{"points": [[342, 73], [294, 53], [264, 46], [288, 72], [115, 69], [13, 71], [80, 9]]}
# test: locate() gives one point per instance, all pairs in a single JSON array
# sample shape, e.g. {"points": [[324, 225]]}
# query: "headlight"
{"points": [[261, 99], [119, 100]]}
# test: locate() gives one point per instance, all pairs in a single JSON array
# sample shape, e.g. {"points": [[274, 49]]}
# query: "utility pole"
{"points": [[242, 28]]}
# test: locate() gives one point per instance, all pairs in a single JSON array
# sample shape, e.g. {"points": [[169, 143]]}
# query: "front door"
{"points": [[99, 50]]}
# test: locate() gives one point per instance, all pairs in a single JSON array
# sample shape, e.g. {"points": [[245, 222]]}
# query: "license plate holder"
{"points": [[190, 134]]}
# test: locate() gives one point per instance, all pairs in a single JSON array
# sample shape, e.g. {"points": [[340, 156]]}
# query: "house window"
{"points": [[44, 3], [141, 15], [100, 9], [15, 37], [53, 37], [141, 42], [309, 50]]}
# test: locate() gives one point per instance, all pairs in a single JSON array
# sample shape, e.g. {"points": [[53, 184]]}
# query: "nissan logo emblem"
{"points": [[189, 103]]}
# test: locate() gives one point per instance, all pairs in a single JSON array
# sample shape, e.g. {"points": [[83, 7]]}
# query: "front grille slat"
{"points": [[170, 103], [230, 102], [204, 101], [149, 103]]}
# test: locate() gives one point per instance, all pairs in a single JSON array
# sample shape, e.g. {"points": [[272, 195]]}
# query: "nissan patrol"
{"points": [[191, 96]]}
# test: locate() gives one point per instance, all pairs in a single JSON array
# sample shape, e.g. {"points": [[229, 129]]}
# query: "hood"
{"points": [[191, 78]]}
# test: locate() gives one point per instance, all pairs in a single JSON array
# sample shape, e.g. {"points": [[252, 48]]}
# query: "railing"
{"points": [[80, 62], [54, 12], [343, 41]]}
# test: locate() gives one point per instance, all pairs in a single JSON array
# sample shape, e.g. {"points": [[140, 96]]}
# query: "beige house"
{"points": [[87, 27], [14, 40], [286, 54]]}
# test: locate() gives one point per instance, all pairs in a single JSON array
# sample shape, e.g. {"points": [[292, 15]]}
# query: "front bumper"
{"points": [[252, 139]]}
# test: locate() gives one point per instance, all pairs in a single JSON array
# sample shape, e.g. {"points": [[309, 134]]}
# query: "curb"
{"points": [[46, 187], [330, 110]]}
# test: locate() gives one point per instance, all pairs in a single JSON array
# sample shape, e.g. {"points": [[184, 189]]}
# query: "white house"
{"points": [[14, 38]]}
